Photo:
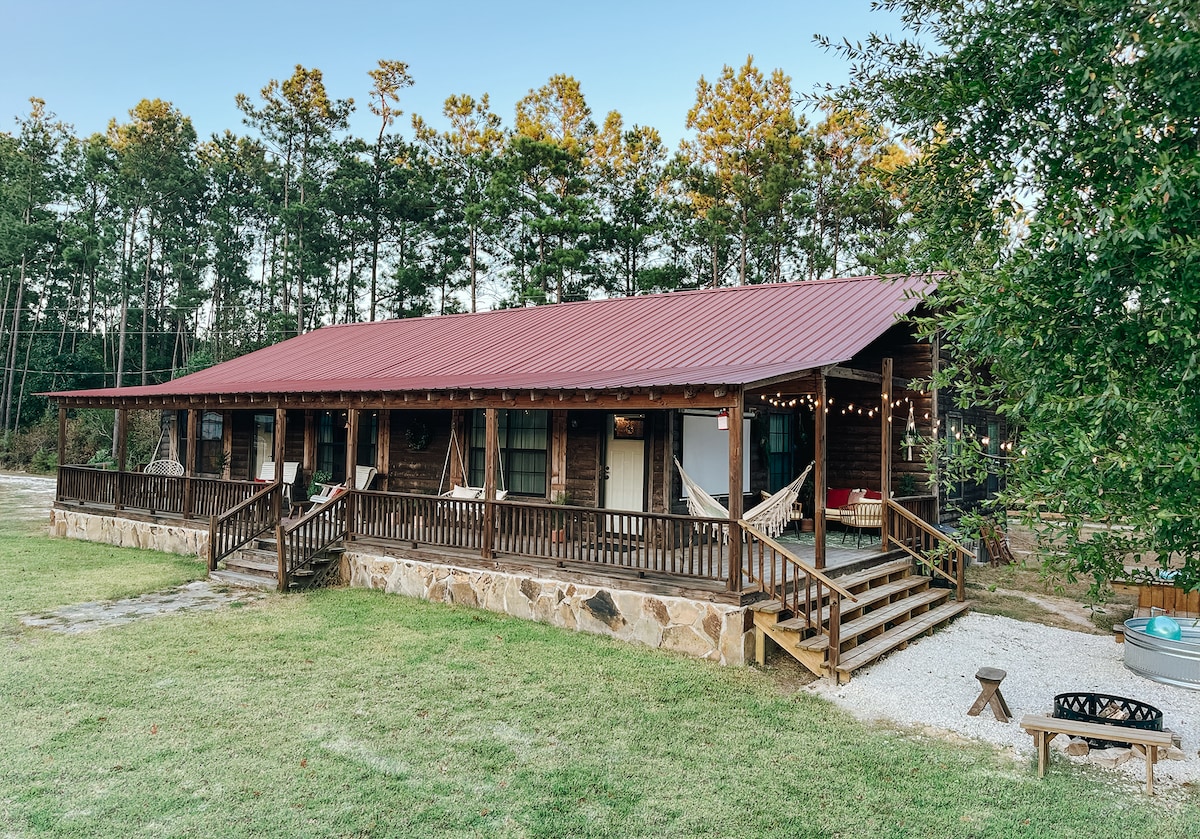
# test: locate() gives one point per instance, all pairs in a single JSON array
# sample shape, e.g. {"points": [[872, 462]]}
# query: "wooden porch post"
{"points": [[490, 459], [280, 439], [193, 431], [351, 445], [558, 454], [351, 467], [885, 437], [122, 445], [227, 445], [820, 490], [736, 411], [383, 448], [62, 433], [308, 457]]}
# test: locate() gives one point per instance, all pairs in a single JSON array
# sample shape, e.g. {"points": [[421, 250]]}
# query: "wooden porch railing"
{"points": [[153, 494], [922, 506], [87, 485], [301, 543], [799, 587], [237, 528], [928, 546], [641, 542]]}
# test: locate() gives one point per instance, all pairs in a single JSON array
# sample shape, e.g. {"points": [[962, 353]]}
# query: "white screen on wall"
{"points": [[706, 453]]}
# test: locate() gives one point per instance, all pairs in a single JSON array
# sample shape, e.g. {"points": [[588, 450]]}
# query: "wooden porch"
{"points": [[863, 604]]}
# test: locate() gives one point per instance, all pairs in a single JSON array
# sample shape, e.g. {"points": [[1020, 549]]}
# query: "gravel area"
{"points": [[932, 684]]}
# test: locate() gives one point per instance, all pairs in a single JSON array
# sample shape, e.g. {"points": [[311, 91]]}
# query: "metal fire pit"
{"points": [[1106, 709]]}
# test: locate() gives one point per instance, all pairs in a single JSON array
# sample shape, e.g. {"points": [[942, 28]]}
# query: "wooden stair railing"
{"points": [[243, 523], [928, 546], [301, 543], [798, 587]]}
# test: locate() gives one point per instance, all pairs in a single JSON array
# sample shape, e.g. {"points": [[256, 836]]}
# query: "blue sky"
{"points": [[93, 61]]}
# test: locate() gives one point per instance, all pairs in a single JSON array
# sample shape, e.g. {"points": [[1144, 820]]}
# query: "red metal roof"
{"points": [[730, 336]]}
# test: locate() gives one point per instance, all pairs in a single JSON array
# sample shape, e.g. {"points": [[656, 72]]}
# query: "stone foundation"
{"points": [[712, 631], [128, 533]]}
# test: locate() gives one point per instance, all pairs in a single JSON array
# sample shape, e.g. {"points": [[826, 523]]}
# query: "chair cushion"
{"points": [[465, 492]]}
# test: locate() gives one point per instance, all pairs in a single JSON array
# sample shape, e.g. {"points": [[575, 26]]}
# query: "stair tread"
{"points": [[882, 644], [878, 617], [873, 573], [234, 578], [253, 563], [769, 607], [865, 599]]}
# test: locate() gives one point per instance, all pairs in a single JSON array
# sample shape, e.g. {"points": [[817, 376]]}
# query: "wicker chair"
{"points": [[865, 515]]}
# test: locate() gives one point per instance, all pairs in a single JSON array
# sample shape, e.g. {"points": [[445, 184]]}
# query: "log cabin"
{"points": [[600, 465]]}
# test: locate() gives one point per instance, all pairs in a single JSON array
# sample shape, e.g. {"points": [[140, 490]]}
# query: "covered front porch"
{"points": [[265, 529]]}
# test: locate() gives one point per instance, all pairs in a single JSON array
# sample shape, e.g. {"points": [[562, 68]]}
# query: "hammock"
{"points": [[770, 516]]}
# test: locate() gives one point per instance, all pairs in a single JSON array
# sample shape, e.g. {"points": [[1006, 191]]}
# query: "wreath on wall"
{"points": [[416, 434]]}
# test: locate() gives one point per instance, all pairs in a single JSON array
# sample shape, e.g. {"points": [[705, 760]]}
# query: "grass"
{"points": [[357, 714]]}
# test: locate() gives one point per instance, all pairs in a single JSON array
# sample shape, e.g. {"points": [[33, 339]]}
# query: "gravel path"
{"points": [[199, 596], [932, 684]]}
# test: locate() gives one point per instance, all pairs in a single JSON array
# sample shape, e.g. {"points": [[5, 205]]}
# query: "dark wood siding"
{"points": [[586, 431]]}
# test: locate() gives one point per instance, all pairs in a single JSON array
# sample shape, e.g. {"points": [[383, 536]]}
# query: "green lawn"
{"points": [[352, 713]]}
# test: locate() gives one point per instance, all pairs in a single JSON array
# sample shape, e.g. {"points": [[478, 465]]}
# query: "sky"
{"points": [[93, 61]]}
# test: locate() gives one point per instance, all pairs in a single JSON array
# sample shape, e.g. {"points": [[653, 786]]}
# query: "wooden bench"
{"points": [[1045, 729]]}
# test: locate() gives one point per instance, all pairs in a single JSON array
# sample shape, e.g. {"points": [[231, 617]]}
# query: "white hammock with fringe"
{"points": [[770, 516]]}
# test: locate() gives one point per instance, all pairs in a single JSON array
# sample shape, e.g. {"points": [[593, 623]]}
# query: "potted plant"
{"points": [[558, 518], [805, 499], [319, 479]]}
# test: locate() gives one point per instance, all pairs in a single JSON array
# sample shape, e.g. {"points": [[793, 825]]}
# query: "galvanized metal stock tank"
{"points": [[1172, 662]]}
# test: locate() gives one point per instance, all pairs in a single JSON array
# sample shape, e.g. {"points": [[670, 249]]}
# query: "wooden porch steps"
{"points": [[905, 609], [898, 637], [894, 605], [258, 567]]}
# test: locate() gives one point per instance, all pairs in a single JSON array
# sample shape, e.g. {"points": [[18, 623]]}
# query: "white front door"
{"points": [[625, 469], [625, 465]]}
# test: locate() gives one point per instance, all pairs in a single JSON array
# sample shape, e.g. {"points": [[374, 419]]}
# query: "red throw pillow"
{"points": [[873, 494], [836, 498]]}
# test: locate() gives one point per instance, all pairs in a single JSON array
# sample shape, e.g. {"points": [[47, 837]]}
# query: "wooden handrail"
{"points": [[810, 570], [299, 544], [233, 530], [820, 605], [959, 554]]}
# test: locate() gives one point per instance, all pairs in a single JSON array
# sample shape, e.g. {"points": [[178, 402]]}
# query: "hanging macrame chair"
{"points": [[169, 466], [771, 516]]}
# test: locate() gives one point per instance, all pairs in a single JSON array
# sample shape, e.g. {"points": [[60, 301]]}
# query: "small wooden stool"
{"points": [[989, 680]]}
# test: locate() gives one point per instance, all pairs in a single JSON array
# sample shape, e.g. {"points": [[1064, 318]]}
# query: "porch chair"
{"points": [[795, 512], [169, 468], [864, 515], [291, 469], [363, 476]]}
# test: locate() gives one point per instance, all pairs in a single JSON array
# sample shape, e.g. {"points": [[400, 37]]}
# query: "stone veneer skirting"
{"points": [[712, 631], [129, 533]]}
